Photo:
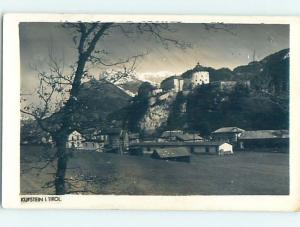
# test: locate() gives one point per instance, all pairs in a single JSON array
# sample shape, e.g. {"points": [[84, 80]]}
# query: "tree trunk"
{"points": [[61, 165]]}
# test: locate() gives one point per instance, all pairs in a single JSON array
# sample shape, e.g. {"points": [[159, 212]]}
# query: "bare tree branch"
{"points": [[98, 60]]}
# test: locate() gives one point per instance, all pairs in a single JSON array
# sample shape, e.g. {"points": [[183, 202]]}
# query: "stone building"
{"points": [[264, 139], [196, 79], [174, 83]]}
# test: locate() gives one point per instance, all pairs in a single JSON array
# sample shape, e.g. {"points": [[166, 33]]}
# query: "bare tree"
{"points": [[58, 91]]}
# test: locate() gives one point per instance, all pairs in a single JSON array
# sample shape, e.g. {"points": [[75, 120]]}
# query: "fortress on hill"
{"points": [[199, 76], [177, 83]]}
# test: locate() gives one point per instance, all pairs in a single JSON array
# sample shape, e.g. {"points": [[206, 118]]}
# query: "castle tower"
{"points": [[199, 78]]}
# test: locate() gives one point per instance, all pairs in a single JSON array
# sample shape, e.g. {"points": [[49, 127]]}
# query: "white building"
{"points": [[78, 142], [195, 79], [220, 148], [75, 140], [225, 148], [178, 84], [199, 78]]}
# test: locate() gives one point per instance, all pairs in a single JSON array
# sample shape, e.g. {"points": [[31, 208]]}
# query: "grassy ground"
{"points": [[247, 173]]}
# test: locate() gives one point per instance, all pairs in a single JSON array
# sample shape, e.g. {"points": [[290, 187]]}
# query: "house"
{"points": [[211, 147], [92, 146], [188, 137], [174, 83], [92, 134], [196, 79], [227, 134], [75, 140], [172, 154], [116, 140], [264, 139], [170, 135], [93, 139], [220, 148]]}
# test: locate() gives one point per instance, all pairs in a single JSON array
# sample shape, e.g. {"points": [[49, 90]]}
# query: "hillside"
{"points": [[274, 77], [262, 106], [271, 74], [209, 109], [101, 98], [96, 100]]}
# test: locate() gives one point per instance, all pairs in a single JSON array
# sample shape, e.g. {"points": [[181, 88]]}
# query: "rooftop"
{"points": [[167, 134], [228, 129], [91, 131], [188, 137], [176, 143], [265, 134], [172, 152]]}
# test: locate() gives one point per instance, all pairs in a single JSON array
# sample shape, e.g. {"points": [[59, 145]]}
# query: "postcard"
{"points": [[151, 112]]}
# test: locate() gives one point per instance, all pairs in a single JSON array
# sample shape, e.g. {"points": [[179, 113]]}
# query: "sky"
{"points": [[219, 47]]}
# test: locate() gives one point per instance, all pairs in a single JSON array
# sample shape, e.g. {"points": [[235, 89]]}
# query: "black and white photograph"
{"points": [[153, 108]]}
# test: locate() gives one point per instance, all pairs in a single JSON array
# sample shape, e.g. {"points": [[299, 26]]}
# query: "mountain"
{"points": [[98, 99], [127, 82], [273, 76], [154, 77]]}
